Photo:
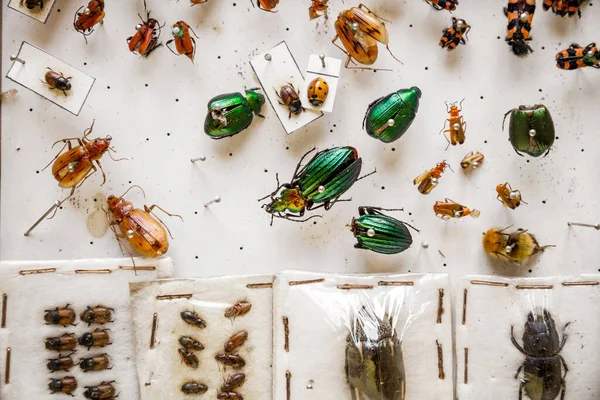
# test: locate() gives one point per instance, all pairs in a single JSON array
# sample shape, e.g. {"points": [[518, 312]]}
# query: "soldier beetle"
{"points": [[509, 197], [578, 57], [359, 29], [430, 179], [457, 126], [267, 5], [146, 38], [142, 229], [520, 16], [472, 160], [450, 209], [317, 9], [563, 7], [184, 42], [93, 14]]}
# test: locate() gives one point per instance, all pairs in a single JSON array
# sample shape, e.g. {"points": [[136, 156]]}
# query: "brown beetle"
{"points": [[66, 385], [289, 97], [56, 80], [94, 363], [238, 309], [194, 388], [189, 343], [103, 391], [62, 343], [60, 316], [192, 318], [472, 160], [188, 358], [229, 396], [62, 363], [97, 315], [84, 21], [235, 341], [318, 8], [97, 338], [509, 197], [233, 382], [232, 360]]}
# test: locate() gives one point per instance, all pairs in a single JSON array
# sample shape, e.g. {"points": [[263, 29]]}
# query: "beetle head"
{"points": [[98, 147], [119, 208]]}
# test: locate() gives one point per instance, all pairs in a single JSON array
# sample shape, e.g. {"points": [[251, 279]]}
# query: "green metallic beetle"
{"points": [[229, 114], [374, 362], [380, 233], [531, 130], [389, 117], [320, 183]]}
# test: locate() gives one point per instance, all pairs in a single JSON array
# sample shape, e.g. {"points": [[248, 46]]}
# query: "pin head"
{"points": [[129, 234], [532, 132], [268, 57], [321, 189], [371, 232]]}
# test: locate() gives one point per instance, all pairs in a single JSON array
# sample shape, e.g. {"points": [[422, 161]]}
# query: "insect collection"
{"points": [[149, 104]]}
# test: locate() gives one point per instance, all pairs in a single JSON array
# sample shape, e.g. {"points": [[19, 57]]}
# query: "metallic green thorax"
{"points": [[379, 232], [388, 117], [231, 113], [531, 130]]}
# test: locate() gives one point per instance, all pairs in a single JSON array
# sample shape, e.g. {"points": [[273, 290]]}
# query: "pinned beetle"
{"points": [[192, 318], [318, 89], [389, 117], [56, 80], [31, 4], [380, 233], [184, 42], [317, 8], [97, 315], [84, 21], [229, 114], [145, 40], [104, 391], [289, 97], [239, 309], [66, 385], [60, 316], [531, 130], [62, 363]]}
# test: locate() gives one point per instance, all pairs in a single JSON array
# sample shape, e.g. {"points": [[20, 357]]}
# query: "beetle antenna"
{"points": [[406, 223], [369, 174], [131, 187], [115, 159]]}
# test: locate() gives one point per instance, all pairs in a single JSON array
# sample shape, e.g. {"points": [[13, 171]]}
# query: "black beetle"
{"points": [[31, 4], [542, 376]]}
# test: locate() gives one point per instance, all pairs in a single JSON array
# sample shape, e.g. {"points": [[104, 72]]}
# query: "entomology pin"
{"points": [[309, 386], [149, 381], [56, 204], [595, 226], [389, 122], [268, 57], [201, 158], [16, 58], [322, 57], [425, 245], [217, 199]]}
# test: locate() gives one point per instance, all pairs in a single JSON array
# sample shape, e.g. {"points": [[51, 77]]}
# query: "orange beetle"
{"points": [[359, 29], [430, 179], [145, 39], [196, 2], [457, 126], [144, 232], [509, 197], [184, 42], [472, 160], [267, 5], [318, 8], [93, 14], [450, 209]]}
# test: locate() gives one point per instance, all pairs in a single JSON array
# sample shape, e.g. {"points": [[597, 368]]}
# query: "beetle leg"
{"points": [[364, 176], [521, 390], [101, 170], [514, 341], [564, 339], [518, 371]]}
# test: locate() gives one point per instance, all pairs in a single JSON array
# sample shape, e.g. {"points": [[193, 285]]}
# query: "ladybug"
{"points": [[318, 90], [578, 57], [520, 16], [455, 35]]}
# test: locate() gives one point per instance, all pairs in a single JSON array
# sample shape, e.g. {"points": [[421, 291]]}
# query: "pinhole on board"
{"points": [[275, 68], [37, 12]]}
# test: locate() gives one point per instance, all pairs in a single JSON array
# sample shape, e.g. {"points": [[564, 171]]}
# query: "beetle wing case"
{"points": [[362, 336]]}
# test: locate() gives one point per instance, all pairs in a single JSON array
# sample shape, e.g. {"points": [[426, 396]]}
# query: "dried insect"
{"points": [[31, 4], [95, 363], [457, 126], [577, 56], [517, 246], [62, 363], [267, 5], [189, 343], [289, 97], [520, 16], [66, 385], [543, 378], [184, 42], [239, 309], [84, 21], [563, 7], [317, 9], [62, 343], [56, 80], [231, 360], [196, 2], [455, 35], [188, 358], [472, 160], [60, 316], [509, 197], [229, 396], [233, 382], [97, 315], [145, 40], [8, 94], [192, 318], [104, 391], [450, 209], [97, 338], [430, 179], [236, 340], [194, 388]]}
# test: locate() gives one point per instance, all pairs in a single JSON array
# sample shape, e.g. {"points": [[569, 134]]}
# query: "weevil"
{"points": [[64, 316], [84, 21], [236, 340], [66, 385], [543, 378], [97, 338], [457, 127], [97, 315]]}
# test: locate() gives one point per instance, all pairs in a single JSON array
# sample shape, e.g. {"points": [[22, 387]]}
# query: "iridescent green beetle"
{"points": [[374, 362], [389, 117], [380, 233], [231, 113], [531, 130], [320, 183]]}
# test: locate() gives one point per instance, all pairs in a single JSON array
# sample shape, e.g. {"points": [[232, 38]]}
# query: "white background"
{"points": [[159, 135]]}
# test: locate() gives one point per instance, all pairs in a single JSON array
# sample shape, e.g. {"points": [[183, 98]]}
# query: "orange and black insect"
{"points": [[457, 126], [267, 5], [430, 179], [520, 16], [97, 338], [578, 57], [95, 363], [61, 363], [145, 40], [317, 9], [103, 391], [509, 197], [563, 7], [196, 2], [450, 209], [60, 316], [66, 385], [62, 343], [185, 44], [84, 21], [97, 315], [56, 80], [455, 35], [449, 5]]}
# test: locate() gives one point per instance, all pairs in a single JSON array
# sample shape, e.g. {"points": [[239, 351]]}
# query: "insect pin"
{"points": [[457, 127], [145, 40], [185, 44], [317, 8], [509, 197], [56, 80], [84, 21], [141, 229], [515, 246], [563, 7], [455, 35], [450, 209], [430, 179], [359, 29], [520, 16], [578, 57]]}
